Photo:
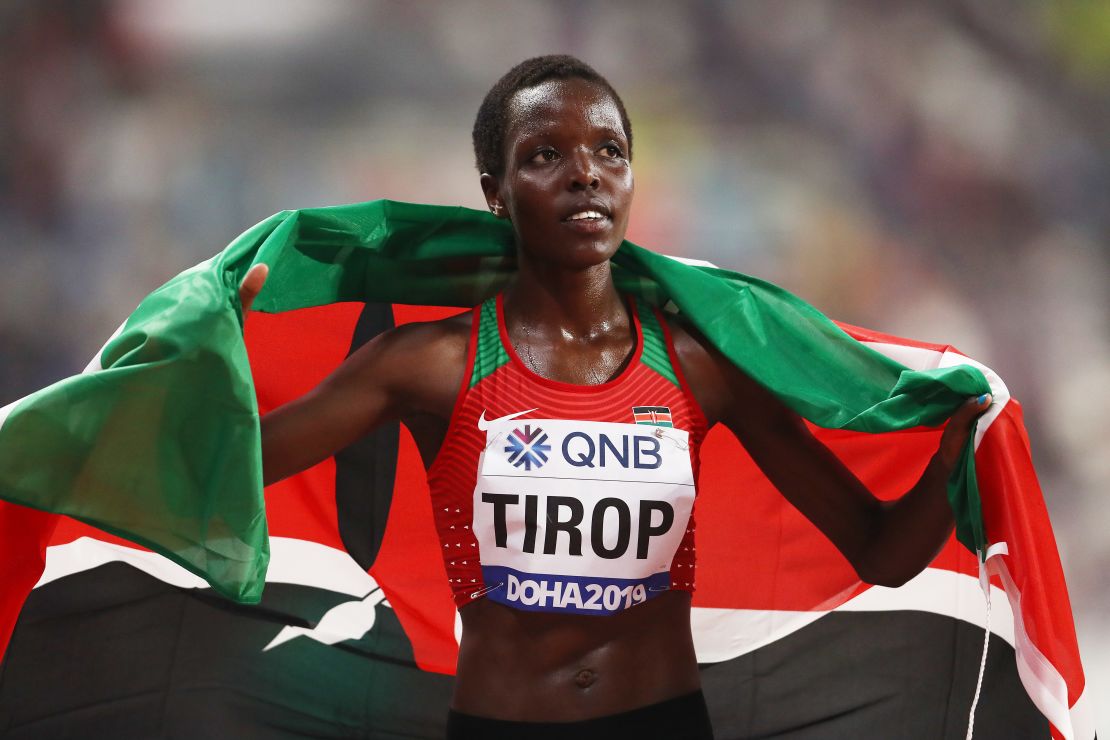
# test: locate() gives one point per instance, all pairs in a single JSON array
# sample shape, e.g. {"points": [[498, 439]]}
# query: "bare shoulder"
{"points": [[427, 339], [702, 366], [725, 393], [420, 364]]}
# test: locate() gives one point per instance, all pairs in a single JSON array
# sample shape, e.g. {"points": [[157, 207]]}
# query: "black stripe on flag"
{"points": [[890, 675], [115, 653], [365, 470]]}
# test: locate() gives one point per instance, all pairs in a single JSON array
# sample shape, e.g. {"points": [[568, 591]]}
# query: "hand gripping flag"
{"points": [[158, 443]]}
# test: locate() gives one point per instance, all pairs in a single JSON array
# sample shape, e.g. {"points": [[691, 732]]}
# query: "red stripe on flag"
{"points": [[290, 353], [410, 569], [861, 334], [24, 533], [1014, 512], [749, 536]]}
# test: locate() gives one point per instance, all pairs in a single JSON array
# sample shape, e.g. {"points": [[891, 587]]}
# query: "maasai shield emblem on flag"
{"points": [[356, 628]]}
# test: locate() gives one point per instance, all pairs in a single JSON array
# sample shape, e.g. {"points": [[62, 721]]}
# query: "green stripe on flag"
{"points": [[162, 445]]}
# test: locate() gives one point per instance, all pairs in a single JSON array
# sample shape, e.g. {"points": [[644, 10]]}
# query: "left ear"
{"points": [[492, 191]]}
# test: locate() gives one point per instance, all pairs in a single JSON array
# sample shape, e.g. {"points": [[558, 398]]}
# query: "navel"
{"points": [[585, 678]]}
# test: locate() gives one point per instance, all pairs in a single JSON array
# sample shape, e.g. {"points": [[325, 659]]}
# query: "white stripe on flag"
{"points": [[86, 553], [719, 634], [691, 261], [724, 634], [922, 358], [1083, 716], [6, 411], [1043, 682], [292, 561]]}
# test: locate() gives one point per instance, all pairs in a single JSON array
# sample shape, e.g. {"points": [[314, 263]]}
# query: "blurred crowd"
{"points": [[935, 170]]}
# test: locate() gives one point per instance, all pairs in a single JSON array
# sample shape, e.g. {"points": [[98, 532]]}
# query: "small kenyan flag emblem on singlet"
{"points": [[659, 416]]}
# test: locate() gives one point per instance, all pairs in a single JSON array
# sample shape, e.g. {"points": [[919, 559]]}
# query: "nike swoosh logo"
{"points": [[484, 424]]}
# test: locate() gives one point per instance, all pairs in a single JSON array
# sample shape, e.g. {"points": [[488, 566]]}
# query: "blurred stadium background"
{"points": [[937, 170]]}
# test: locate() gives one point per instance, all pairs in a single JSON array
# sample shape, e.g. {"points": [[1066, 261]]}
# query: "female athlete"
{"points": [[574, 497]]}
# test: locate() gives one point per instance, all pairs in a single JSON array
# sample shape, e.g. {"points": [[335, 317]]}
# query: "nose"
{"points": [[583, 173]]}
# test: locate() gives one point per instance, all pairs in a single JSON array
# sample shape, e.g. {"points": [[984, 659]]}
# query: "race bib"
{"points": [[580, 516]]}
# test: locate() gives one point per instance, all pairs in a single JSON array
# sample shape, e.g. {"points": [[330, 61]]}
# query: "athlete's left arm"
{"points": [[886, 542]]}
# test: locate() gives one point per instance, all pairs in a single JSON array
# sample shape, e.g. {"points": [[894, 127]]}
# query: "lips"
{"points": [[588, 217], [583, 215]]}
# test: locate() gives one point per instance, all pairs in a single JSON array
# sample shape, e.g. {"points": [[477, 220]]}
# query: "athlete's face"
{"points": [[567, 185]]}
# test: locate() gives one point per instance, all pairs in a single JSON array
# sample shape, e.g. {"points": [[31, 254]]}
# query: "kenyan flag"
{"points": [[356, 631], [659, 416]]}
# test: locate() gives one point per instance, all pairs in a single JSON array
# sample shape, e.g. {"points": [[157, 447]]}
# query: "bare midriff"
{"points": [[538, 667]]}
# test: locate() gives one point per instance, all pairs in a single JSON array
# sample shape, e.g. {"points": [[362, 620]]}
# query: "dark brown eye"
{"points": [[612, 150], [544, 155]]}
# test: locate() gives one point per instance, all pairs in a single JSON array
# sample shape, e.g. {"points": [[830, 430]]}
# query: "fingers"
{"points": [[959, 428], [252, 284]]}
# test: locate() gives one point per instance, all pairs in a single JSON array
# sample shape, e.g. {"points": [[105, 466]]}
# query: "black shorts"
{"points": [[682, 718]]}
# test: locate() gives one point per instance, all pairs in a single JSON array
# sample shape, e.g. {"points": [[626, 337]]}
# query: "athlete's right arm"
{"points": [[407, 370]]}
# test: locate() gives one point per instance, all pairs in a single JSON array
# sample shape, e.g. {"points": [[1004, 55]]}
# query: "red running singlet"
{"points": [[550, 496]]}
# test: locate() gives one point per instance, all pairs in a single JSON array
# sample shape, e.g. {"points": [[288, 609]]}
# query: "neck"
{"points": [[562, 303]]}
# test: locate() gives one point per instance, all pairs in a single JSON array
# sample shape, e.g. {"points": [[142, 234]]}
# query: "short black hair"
{"points": [[492, 121]]}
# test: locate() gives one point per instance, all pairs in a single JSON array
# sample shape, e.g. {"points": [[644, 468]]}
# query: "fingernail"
{"points": [[981, 399]]}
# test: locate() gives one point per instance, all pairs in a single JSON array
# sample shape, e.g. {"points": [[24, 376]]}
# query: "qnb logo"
{"points": [[583, 451], [528, 448]]}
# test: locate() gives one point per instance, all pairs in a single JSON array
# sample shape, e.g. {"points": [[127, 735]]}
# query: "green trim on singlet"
{"points": [[490, 353], [655, 353]]}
